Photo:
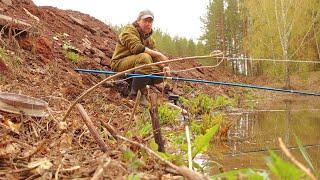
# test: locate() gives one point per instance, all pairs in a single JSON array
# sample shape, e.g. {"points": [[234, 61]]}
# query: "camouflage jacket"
{"points": [[132, 41]]}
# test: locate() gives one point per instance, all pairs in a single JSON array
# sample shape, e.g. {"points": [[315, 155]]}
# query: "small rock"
{"points": [[55, 38], [87, 52], [86, 43], [99, 53], [77, 20]]}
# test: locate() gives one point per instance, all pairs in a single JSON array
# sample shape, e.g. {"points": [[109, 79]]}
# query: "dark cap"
{"points": [[145, 14]]}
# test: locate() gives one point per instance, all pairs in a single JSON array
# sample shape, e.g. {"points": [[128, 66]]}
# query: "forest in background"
{"points": [[255, 29]]}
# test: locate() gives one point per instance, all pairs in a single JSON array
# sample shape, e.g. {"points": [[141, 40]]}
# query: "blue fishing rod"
{"points": [[204, 81]]}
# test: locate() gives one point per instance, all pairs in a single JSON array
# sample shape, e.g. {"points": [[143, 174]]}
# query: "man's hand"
{"points": [[163, 57], [154, 53], [167, 71], [160, 57]]}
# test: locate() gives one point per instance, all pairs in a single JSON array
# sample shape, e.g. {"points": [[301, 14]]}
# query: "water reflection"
{"points": [[255, 132]]}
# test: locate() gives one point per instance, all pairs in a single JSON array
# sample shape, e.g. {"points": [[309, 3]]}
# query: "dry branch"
{"points": [[36, 149], [31, 15], [293, 159], [16, 21], [92, 128], [131, 119]]}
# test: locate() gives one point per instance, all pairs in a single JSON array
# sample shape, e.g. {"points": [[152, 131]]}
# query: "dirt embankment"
{"points": [[33, 61]]}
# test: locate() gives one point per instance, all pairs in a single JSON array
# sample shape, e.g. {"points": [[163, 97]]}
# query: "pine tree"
{"points": [[214, 26]]}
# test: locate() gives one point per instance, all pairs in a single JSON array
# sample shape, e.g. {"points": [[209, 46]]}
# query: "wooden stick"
{"points": [[189, 145], [293, 159], [155, 123], [58, 170], [112, 131], [25, 30], [10, 19], [131, 119], [36, 149], [128, 71], [92, 128], [31, 15]]}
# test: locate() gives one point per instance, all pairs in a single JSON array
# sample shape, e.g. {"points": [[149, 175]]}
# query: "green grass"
{"points": [[13, 61], [167, 115], [73, 57]]}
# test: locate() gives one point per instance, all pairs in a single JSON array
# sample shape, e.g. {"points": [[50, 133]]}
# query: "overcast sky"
{"points": [[177, 17]]}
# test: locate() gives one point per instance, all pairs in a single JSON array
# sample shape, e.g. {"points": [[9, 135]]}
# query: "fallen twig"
{"points": [[133, 112], [58, 170], [31, 15], [91, 128], [25, 30], [10, 19], [34, 130], [16, 171], [112, 131], [36, 149], [293, 159]]}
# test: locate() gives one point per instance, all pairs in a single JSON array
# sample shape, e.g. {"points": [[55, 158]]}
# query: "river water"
{"points": [[254, 132]]}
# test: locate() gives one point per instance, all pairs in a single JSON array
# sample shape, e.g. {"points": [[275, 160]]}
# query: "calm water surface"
{"points": [[256, 131]]}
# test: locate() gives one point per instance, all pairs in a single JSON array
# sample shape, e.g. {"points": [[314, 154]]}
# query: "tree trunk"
{"points": [[284, 29], [317, 44], [287, 72]]}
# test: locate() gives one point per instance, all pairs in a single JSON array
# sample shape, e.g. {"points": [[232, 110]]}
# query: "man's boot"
{"points": [[139, 84], [143, 99]]}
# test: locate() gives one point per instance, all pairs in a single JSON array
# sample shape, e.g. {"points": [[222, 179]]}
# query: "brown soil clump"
{"points": [[37, 45]]}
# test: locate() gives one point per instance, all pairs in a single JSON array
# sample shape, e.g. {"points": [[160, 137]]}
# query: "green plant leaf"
{"points": [[304, 153], [242, 173], [135, 176], [145, 130], [282, 169], [132, 160], [128, 156], [201, 142], [209, 120], [167, 115], [153, 145]]}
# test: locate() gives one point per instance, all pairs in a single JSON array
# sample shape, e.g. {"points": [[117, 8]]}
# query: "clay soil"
{"points": [[34, 63]]}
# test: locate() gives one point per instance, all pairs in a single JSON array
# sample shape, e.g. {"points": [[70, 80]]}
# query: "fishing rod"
{"points": [[249, 86]]}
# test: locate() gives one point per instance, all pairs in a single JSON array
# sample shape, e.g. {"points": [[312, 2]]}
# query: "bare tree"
{"points": [[284, 25]]}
